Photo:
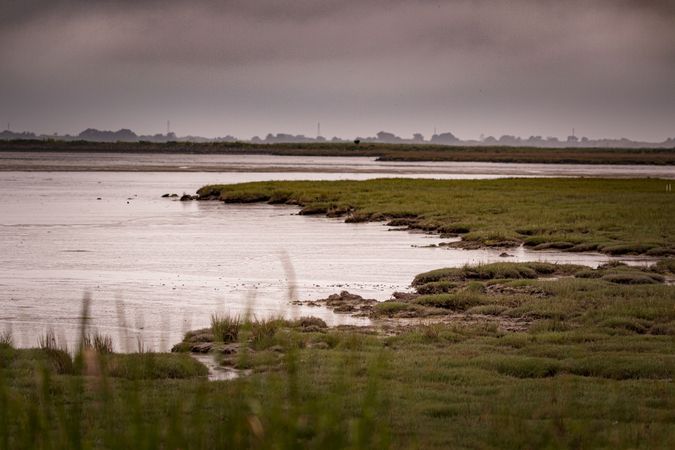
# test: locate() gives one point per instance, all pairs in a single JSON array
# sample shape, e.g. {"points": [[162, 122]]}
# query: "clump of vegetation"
{"points": [[528, 270], [459, 301], [47, 341], [153, 366], [234, 334], [620, 273], [436, 287], [225, 328], [519, 366], [310, 323], [632, 278], [98, 342], [6, 339]]}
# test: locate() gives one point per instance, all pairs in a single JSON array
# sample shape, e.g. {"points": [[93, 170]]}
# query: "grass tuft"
{"points": [[100, 343], [6, 339], [226, 328]]}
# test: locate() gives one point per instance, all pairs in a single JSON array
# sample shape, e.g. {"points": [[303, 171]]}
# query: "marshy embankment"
{"points": [[615, 217]]}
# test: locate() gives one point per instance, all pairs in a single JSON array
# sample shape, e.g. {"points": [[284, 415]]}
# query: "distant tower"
{"points": [[318, 129], [434, 130], [573, 135], [168, 127]]}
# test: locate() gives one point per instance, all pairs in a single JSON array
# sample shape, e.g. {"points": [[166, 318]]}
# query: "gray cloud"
{"points": [[245, 67]]}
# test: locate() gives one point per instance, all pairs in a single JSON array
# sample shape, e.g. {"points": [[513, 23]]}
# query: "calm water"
{"points": [[351, 165], [170, 264]]}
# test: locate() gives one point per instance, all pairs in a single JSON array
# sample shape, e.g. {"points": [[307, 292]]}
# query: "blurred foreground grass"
{"points": [[594, 368]]}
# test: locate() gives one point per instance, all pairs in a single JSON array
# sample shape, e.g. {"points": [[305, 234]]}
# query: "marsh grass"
{"points": [[612, 216], [47, 341], [261, 333], [98, 342], [6, 338], [226, 328]]}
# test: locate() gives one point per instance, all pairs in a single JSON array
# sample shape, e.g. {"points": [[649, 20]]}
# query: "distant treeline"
{"points": [[383, 152], [382, 137]]}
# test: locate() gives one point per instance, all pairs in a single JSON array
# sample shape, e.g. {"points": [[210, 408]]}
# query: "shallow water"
{"points": [[51, 161], [168, 265]]}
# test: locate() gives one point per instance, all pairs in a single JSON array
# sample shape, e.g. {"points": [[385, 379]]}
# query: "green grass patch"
{"points": [[611, 216], [519, 366], [152, 366], [624, 367], [460, 301]]}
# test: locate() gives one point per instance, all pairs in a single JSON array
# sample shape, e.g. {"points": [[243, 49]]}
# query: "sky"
{"points": [[249, 67]]}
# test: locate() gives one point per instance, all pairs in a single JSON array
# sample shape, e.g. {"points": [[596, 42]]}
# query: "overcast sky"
{"points": [[248, 67]]}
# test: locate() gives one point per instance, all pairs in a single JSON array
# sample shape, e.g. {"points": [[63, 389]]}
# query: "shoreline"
{"points": [[659, 171], [457, 242], [328, 199]]}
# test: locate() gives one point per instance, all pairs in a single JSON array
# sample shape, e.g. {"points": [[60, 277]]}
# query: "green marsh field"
{"points": [[611, 216]]}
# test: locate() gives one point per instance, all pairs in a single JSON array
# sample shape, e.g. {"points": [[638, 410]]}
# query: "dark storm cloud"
{"points": [[245, 67]]}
